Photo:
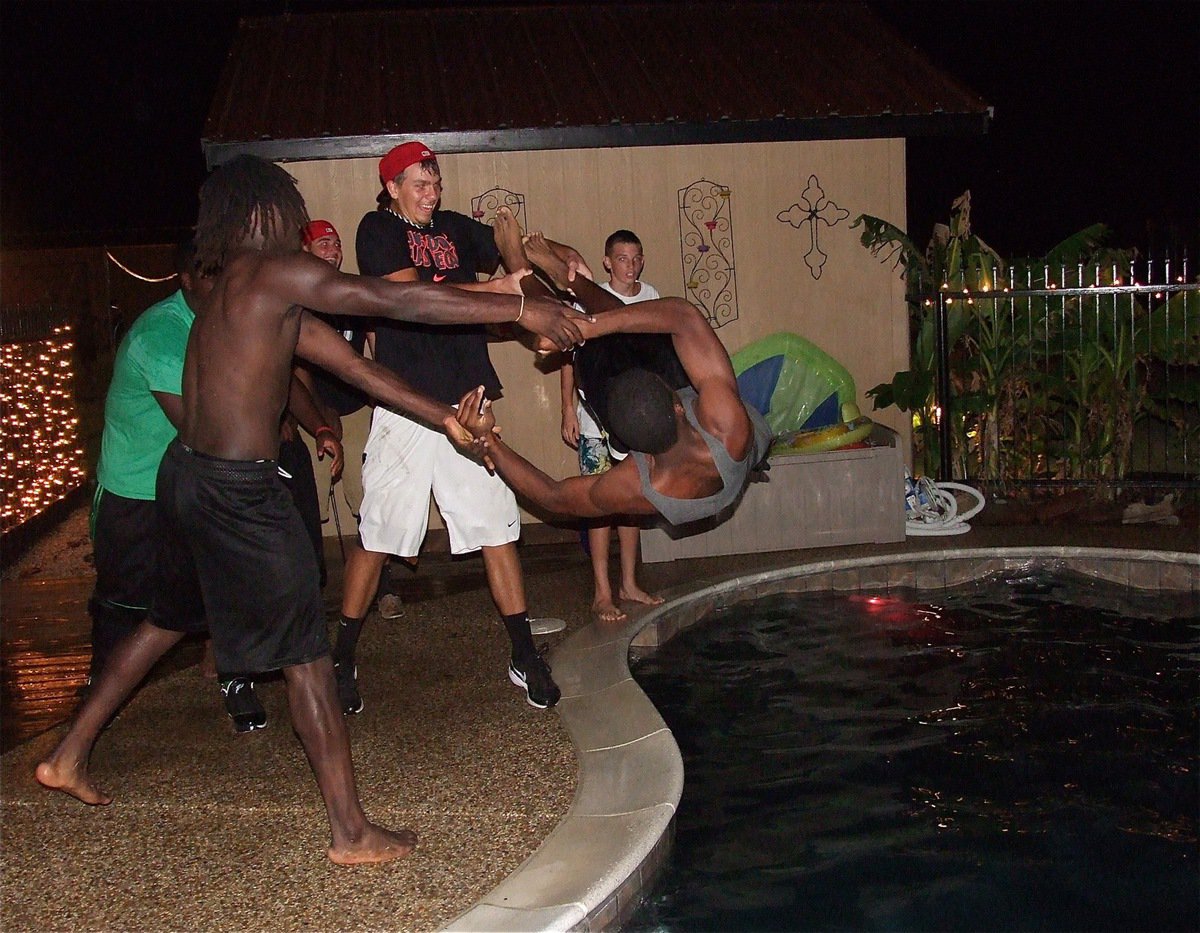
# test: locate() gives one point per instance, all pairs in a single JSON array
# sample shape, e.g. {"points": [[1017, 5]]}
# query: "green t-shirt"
{"points": [[136, 431]]}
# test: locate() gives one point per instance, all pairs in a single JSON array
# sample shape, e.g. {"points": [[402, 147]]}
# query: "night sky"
{"points": [[1097, 117]]}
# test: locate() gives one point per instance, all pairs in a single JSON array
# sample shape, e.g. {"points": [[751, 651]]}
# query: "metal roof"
{"points": [[473, 79]]}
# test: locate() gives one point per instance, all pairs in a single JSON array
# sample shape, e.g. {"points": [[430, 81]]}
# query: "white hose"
{"points": [[932, 509]]}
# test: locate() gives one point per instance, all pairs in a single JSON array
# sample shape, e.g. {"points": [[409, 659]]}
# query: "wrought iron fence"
{"points": [[1074, 375]]}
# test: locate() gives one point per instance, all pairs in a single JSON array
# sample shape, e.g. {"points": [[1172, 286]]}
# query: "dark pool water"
{"points": [[1021, 755]]}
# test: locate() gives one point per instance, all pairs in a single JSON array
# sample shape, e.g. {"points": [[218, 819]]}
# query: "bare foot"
{"points": [[376, 845], [208, 663], [635, 594], [508, 240], [607, 611], [569, 256], [70, 780], [540, 253]]}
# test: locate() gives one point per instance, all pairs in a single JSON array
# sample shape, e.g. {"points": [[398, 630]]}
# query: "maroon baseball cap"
{"points": [[401, 157], [317, 229]]}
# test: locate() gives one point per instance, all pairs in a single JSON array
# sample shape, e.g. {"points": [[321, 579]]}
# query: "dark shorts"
{"points": [[232, 526], [127, 541], [296, 470]]}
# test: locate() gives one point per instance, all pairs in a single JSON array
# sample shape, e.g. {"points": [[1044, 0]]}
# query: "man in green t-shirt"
{"points": [[142, 410], [142, 413]]}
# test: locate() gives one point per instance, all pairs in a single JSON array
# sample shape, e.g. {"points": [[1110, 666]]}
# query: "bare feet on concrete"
{"points": [[635, 594], [71, 778], [607, 611], [376, 845]]}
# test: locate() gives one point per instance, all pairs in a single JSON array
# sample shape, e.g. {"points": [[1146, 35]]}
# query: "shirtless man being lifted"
{"points": [[229, 522], [692, 450]]}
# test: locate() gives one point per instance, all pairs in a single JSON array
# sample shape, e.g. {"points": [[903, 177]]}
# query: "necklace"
{"points": [[411, 223]]}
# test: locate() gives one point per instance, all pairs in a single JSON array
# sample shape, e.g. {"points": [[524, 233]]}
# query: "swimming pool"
{"points": [[1015, 754], [597, 866]]}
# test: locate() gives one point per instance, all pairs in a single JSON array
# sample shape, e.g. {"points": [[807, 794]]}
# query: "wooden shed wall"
{"points": [[854, 310]]}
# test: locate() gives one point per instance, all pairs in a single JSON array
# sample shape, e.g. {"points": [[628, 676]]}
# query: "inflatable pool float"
{"points": [[806, 396], [835, 437]]}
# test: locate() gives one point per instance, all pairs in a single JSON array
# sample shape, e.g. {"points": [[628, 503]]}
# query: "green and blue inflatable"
{"points": [[806, 396]]}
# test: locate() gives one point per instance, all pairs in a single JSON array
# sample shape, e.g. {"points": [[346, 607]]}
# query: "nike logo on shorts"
{"points": [[438, 277]]}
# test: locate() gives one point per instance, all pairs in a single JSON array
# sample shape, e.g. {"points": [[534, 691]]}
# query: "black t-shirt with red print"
{"points": [[441, 361]]}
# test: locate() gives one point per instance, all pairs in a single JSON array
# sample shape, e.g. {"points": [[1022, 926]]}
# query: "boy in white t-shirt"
{"points": [[624, 261]]}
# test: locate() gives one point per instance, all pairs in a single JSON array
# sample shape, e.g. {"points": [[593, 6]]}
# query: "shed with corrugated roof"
{"points": [[739, 141]]}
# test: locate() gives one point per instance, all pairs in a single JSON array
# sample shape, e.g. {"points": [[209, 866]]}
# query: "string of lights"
{"points": [[124, 268], [40, 458]]}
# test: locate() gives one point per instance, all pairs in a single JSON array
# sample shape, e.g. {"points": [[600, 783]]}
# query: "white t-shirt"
{"points": [[587, 424]]}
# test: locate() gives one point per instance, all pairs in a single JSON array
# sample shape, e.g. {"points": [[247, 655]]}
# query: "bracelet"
{"points": [[324, 427], [522, 311]]}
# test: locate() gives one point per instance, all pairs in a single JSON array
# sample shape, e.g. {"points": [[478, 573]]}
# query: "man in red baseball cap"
{"points": [[337, 399], [322, 240], [401, 157], [410, 239]]}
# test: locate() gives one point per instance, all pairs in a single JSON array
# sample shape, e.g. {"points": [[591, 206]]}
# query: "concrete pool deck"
{"points": [[217, 830]]}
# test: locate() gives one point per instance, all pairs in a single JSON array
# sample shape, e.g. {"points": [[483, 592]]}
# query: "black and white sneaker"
{"points": [[541, 692], [242, 705], [349, 699]]}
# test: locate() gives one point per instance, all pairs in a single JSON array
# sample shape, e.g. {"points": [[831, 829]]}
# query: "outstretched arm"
{"points": [[321, 345], [616, 492], [302, 279]]}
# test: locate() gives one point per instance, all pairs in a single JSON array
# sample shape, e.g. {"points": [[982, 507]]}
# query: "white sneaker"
{"points": [[546, 626]]}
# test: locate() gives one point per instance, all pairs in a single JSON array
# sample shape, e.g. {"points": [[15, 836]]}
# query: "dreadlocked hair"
{"points": [[238, 194]]}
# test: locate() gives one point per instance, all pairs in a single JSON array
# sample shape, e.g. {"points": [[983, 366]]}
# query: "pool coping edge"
{"points": [[593, 869]]}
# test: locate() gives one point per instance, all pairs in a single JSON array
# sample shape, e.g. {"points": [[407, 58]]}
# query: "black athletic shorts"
{"points": [[233, 526], [127, 542], [296, 469]]}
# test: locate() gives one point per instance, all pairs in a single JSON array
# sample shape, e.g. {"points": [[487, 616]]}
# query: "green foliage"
{"points": [[1046, 385]]}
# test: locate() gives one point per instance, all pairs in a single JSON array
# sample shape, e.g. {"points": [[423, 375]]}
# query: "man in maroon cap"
{"points": [[409, 239], [338, 400]]}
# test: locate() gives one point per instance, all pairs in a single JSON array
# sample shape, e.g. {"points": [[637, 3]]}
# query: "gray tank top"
{"points": [[733, 473]]}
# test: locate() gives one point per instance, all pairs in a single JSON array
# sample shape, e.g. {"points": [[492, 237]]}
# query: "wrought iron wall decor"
{"points": [[484, 206], [814, 209], [706, 247]]}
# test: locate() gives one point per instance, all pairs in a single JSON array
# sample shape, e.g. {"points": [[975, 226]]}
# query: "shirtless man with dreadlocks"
{"points": [[230, 523]]}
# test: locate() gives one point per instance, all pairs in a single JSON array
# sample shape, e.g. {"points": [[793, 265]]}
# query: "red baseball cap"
{"points": [[317, 229], [401, 157]]}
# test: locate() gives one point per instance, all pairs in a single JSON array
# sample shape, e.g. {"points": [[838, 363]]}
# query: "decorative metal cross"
{"points": [[816, 207]]}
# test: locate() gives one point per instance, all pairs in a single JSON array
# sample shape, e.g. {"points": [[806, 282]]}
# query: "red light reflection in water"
{"points": [[898, 617]]}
